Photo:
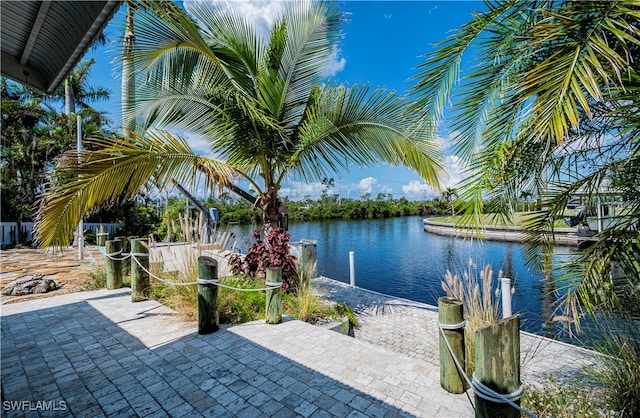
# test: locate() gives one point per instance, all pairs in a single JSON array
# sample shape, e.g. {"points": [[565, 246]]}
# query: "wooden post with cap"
{"points": [[208, 316], [274, 296], [139, 268], [497, 363], [451, 319]]}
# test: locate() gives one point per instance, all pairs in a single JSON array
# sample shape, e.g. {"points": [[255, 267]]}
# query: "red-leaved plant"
{"points": [[272, 252]]}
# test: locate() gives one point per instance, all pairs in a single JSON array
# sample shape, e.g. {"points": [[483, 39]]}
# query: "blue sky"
{"points": [[381, 45]]}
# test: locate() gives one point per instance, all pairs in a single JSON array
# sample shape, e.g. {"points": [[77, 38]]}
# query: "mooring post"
{"points": [[126, 249], [451, 319], [208, 316], [125, 244], [352, 268], [497, 363], [114, 267], [101, 238], [506, 297], [139, 269], [274, 296]]}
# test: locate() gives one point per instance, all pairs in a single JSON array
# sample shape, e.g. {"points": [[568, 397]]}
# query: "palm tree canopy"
{"points": [[549, 106], [538, 70], [261, 101], [83, 92]]}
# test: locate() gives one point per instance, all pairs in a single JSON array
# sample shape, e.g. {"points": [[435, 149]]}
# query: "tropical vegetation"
{"points": [[33, 134], [550, 107], [262, 103]]}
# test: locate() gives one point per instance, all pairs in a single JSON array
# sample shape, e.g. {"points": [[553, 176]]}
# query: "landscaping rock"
{"points": [[31, 284]]}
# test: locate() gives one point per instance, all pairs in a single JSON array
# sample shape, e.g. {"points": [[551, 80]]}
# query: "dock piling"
{"points": [[451, 320], [113, 252], [139, 269], [274, 296], [352, 268], [497, 363], [208, 315]]}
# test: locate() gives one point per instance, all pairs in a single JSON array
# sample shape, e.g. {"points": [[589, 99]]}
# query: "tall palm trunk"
{"points": [[128, 74], [69, 98], [128, 91], [270, 206]]}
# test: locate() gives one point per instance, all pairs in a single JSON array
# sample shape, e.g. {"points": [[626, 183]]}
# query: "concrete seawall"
{"points": [[562, 236]]}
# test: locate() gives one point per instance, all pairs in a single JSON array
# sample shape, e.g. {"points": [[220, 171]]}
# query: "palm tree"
{"points": [[554, 85], [262, 102], [448, 195], [77, 92], [526, 195], [128, 85]]}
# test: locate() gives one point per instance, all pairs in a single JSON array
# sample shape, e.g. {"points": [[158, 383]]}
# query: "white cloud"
{"points": [[299, 190], [366, 185], [415, 188], [262, 14], [335, 63], [455, 168], [198, 144]]}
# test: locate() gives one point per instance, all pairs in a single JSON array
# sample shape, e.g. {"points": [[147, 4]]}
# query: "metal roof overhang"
{"points": [[43, 40]]}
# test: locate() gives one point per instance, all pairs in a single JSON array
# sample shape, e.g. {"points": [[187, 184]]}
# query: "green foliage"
{"points": [[241, 306], [31, 139], [562, 400], [306, 305], [263, 104], [146, 221], [98, 279], [344, 309], [550, 107], [33, 135], [617, 370]]}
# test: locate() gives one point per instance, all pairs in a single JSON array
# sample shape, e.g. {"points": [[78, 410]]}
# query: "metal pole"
{"points": [[599, 213], [506, 297], [81, 224], [352, 269]]}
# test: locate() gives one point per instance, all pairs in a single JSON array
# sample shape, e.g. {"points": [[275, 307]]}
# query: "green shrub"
{"points": [[238, 306], [562, 400], [617, 370], [344, 309], [306, 305], [98, 279]]}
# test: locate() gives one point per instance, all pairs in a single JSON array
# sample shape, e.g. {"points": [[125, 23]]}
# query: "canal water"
{"points": [[397, 257]]}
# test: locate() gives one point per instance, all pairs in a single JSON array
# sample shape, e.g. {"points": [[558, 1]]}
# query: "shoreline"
{"points": [[562, 236]]}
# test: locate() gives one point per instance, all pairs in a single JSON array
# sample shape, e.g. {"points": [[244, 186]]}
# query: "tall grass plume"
{"points": [[481, 302]]}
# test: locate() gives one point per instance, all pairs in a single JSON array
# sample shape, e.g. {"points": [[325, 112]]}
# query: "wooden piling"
{"points": [[126, 248], [139, 277], [274, 296], [125, 243], [450, 313], [208, 316], [497, 363], [114, 267], [101, 238]]}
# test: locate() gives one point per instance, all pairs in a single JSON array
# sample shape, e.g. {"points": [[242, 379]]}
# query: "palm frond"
{"points": [[349, 126], [115, 171]]}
